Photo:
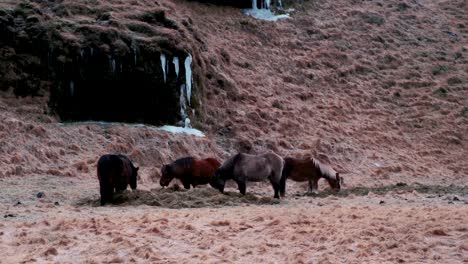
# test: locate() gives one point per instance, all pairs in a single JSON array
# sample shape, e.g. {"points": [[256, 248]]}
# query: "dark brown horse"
{"points": [[189, 171], [115, 172], [244, 167], [311, 170]]}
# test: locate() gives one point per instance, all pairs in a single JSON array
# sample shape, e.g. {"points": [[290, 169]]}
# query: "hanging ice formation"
{"points": [[72, 88], [163, 65], [183, 114], [187, 123], [188, 77], [135, 55], [186, 88], [265, 12], [175, 60], [113, 65]]}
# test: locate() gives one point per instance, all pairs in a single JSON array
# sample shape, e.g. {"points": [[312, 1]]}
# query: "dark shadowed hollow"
{"points": [[102, 87]]}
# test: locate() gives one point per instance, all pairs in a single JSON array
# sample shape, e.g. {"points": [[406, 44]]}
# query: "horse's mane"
{"points": [[184, 162], [230, 162], [325, 170]]}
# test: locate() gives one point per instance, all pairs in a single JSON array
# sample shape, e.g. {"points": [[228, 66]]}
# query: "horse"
{"points": [[189, 171], [115, 172], [312, 170], [245, 167]]}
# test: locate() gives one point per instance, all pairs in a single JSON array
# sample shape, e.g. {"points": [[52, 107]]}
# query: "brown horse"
{"points": [[189, 171], [312, 170], [115, 172], [244, 167]]}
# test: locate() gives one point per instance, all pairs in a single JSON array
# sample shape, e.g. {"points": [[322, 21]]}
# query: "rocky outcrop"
{"points": [[102, 60]]}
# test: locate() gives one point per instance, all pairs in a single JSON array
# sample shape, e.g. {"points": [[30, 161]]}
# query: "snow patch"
{"points": [[163, 65], [178, 130], [167, 128], [265, 14]]}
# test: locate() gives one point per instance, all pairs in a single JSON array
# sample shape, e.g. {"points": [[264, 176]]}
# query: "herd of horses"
{"points": [[116, 172]]}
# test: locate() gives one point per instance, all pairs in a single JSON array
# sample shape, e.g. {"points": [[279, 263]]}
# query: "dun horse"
{"points": [[244, 167], [312, 170], [115, 172], [189, 171]]}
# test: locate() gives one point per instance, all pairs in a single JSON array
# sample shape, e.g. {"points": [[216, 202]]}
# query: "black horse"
{"points": [[115, 172]]}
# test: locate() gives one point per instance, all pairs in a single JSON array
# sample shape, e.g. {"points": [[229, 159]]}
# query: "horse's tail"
{"points": [[284, 177], [103, 168]]}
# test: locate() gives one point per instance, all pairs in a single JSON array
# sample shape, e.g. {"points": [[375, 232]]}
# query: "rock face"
{"points": [[101, 60]]}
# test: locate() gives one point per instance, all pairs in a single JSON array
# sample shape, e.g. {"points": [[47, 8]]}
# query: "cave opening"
{"points": [[98, 87]]}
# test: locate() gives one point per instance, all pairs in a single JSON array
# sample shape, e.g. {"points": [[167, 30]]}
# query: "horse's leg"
{"points": [[186, 184], [276, 188], [106, 194], [242, 186], [282, 185], [103, 191], [276, 183], [313, 186]]}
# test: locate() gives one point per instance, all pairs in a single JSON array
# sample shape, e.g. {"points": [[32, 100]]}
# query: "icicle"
{"points": [[135, 55], [163, 65], [113, 65], [254, 4], [81, 53], [187, 123], [72, 88], [280, 4], [183, 114], [176, 65], [188, 76], [92, 52], [267, 4]]}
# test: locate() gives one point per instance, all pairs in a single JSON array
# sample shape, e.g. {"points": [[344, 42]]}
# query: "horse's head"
{"points": [[336, 183], [133, 178], [218, 181], [167, 174]]}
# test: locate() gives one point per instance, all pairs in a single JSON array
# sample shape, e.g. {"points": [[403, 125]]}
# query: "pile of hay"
{"points": [[175, 197]]}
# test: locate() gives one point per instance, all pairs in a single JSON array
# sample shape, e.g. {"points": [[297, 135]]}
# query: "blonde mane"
{"points": [[325, 170]]}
